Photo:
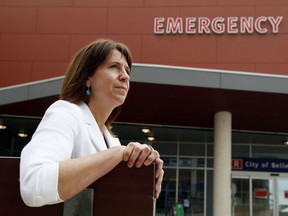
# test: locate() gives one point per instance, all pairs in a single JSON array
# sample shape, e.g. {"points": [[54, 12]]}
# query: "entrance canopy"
{"points": [[178, 96]]}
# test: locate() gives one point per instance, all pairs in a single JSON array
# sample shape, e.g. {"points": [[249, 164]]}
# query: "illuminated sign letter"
{"points": [[174, 25], [246, 25], [275, 23], [158, 25], [190, 25], [218, 25], [258, 27], [203, 25], [232, 25]]}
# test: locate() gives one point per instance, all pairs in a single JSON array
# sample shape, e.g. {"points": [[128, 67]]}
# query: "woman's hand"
{"points": [[137, 154]]}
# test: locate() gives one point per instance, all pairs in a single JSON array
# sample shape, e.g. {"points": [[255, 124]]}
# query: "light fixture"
{"points": [[285, 142], [150, 138], [3, 127], [22, 134], [145, 130]]}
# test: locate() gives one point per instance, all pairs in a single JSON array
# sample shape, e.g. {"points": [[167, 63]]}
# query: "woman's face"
{"points": [[110, 82]]}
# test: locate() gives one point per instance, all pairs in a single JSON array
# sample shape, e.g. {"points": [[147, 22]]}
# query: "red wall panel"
{"points": [[109, 3], [34, 47], [179, 49], [44, 70], [72, 20], [137, 20], [44, 35], [272, 68], [251, 2], [133, 41], [218, 66], [44, 3], [212, 12], [15, 72], [182, 3], [17, 20], [253, 49]]}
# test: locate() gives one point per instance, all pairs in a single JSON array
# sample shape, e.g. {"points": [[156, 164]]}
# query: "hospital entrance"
{"points": [[259, 193]]}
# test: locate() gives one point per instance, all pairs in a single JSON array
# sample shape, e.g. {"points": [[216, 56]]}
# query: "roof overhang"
{"points": [[176, 96]]}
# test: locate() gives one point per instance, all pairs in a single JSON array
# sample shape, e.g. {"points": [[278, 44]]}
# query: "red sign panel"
{"points": [[237, 164], [261, 193]]}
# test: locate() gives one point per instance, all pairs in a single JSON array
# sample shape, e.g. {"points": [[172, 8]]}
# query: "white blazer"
{"points": [[66, 131]]}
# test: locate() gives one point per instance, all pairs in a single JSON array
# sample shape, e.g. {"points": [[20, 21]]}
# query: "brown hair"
{"points": [[84, 65]]}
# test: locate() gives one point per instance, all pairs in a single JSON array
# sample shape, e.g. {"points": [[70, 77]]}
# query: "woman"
{"points": [[73, 145]]}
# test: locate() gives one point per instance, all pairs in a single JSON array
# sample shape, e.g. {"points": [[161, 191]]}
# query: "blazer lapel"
{"points": [[111, 141], [94, 132]]}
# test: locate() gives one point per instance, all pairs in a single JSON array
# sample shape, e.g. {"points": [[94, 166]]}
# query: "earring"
{"points": [[88, 91]]}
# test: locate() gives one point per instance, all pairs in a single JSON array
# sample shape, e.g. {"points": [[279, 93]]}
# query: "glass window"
{"points": [[169, 161], [209, 193], [192, 149], [240, 197], [240, 151], [11, 142], [279, 152], [262, 201], [239, 138], [166, 202], [191, 191], [210, 149], [210, 163], [191, 162], [165, 148], [267, 139]]}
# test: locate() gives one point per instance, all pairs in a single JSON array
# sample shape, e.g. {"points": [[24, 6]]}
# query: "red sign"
{"points": [[217, 25], [261, 193], [237, 164], [286, 194]]}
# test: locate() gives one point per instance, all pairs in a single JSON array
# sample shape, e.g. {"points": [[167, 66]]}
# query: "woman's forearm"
{"points": [[77, 174]]}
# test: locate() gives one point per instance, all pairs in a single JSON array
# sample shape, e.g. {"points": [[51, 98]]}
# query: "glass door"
{"points": [[263, 197], [282, 196], [240, 197], [259, 195]]}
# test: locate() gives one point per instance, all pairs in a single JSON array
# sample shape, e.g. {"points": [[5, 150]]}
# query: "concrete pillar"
{"points": [[222, 164]]}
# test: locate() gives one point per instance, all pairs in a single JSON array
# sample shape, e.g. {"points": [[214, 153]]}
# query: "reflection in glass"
{"points": [[240, 151], [191, 162], [165, 203], [270, 151], [169, 161], [262, 201], [191, 149], [191, 191], [283, 197], [240, 197]]}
